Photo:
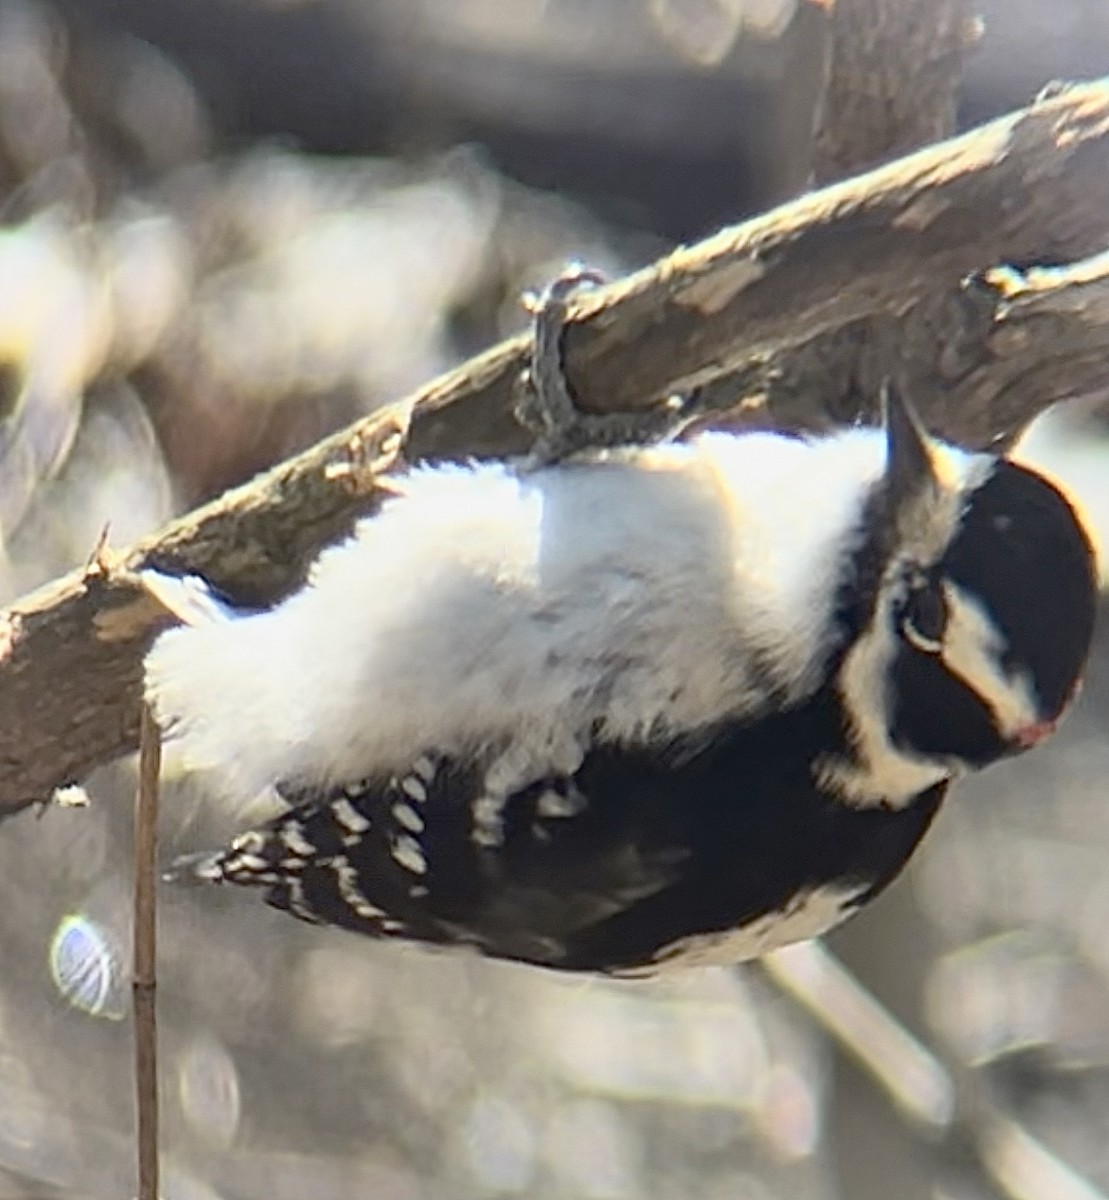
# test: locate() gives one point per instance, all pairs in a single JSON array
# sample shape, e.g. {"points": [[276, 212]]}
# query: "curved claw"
{"points": [[547, 405]]}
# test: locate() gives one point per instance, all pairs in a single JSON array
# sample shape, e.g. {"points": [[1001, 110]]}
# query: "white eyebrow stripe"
{"points": [[972, 646]]}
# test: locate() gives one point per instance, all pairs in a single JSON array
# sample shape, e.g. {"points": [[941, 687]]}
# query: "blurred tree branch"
{"points": [[730, 316], [896, 70], [951, 1110]]}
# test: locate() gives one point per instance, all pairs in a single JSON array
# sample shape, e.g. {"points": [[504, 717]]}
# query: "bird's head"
{"points": [[978, 612]]}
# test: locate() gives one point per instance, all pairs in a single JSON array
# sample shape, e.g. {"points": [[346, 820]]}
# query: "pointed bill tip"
{"points": [[899, 417], [909, 462]]}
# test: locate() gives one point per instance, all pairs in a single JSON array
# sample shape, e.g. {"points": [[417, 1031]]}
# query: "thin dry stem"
{"points": [[144, 971]]}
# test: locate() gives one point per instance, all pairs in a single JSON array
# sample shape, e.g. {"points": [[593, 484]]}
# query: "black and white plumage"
{"points": [[650, 705]]}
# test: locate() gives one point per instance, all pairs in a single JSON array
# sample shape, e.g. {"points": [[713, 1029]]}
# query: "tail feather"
{"points": [[199, 868]]}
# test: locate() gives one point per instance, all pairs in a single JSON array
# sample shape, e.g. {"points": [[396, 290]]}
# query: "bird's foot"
{"points": [[547, 406]]}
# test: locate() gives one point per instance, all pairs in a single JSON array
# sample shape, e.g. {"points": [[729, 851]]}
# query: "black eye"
{"points": [[924, 617]]}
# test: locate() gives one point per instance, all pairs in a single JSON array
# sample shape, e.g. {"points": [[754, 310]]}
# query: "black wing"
{"points": [[605, 870], [427, 856]]}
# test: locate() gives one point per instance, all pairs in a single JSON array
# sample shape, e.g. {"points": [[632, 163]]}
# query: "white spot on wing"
{"points": [[408, 853], [297, 902], [488, 818], [349, 817], [414, 788], [251, 842], [553, 803], [292, 838], [351, 891], [517, 766], [407, 816], [246, 864]]}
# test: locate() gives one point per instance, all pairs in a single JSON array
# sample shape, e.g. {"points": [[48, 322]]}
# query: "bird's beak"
{"points": [[1033, 734]]}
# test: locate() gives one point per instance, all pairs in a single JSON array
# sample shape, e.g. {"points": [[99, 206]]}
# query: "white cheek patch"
{"points": [[972, 649], [878, 772]]}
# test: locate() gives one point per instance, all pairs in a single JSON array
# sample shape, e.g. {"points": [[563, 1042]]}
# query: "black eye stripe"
{"points": [[936, 714]]}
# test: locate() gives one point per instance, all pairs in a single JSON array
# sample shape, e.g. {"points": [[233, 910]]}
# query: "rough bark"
{"points": [[743, 316], [894, 83]]}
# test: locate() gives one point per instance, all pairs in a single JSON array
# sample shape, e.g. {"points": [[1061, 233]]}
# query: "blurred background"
{"points": [[231, 226]]}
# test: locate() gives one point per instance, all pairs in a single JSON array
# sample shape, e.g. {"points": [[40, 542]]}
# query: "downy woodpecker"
{"points": [[641, 705]]}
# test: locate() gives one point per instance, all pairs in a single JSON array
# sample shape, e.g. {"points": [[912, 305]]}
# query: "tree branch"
{"points": [[748, 308], [896, 70]]}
